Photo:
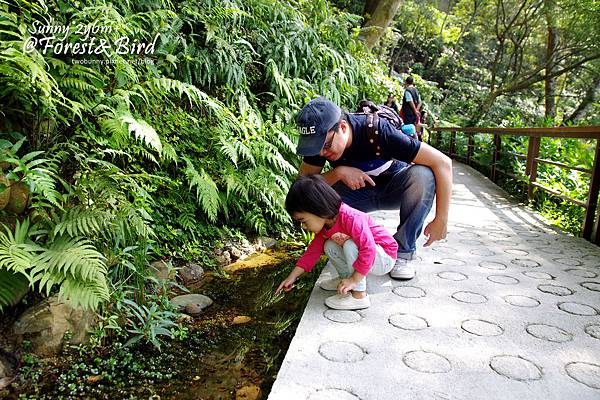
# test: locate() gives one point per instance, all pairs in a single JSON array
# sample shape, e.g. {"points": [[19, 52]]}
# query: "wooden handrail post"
{"points": [[590, 212], [533, 152], [470, 146], [497, 148], [530, 146], [452, 148]]}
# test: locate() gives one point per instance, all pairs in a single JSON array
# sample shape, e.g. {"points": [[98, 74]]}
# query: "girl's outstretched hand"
{"points": [[286, 285]]}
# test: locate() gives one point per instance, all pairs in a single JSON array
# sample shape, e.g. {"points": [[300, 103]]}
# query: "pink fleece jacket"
{"points": [[362, 229]]}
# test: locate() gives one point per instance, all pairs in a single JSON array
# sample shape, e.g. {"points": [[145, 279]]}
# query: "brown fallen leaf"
{"points": [[249, 392], [241, 319], [94, 378]]}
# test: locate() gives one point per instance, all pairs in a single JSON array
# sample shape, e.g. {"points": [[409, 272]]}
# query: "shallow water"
{"points": [[219, 356]]}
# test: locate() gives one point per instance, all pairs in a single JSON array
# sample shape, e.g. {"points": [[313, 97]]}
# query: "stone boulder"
{"points": [[161, 270], [45, 325], [191, 273], [191, 304], [264, 242], [5, 368]]}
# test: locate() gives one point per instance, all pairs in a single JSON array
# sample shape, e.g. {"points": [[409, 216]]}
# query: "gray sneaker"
{"points": [[403, 269]]}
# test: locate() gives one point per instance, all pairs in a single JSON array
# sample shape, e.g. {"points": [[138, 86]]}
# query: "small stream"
{"points": [[222, 355]]}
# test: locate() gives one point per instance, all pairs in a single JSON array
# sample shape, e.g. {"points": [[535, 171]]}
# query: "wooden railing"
{"points": [[591, 223]]}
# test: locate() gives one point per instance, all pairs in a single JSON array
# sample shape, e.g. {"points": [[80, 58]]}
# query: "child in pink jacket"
{"points": [[356, 246]]}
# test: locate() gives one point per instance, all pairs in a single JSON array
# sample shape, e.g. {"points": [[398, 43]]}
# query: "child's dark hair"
{"points": [[313, 195]]}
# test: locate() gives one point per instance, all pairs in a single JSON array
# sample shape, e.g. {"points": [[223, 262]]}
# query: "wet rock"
{"points": [[224, 258], [4, 382], [161, 270], [235, 253], [5, 368], [191, 273], [192, 304], [184, 318], [45, 325], [264, 242], [248, 392]]}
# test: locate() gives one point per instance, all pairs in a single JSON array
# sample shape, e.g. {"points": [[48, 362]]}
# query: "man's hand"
{"points": [[435, 230], [354, 178], [339, 238]]}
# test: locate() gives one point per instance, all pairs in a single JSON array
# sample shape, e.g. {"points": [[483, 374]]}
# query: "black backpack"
{"points": [[373, 113]]}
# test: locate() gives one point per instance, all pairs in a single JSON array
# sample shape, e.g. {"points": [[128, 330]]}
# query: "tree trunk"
{"points": [[370, 7], [551, 45], [444, 5], [590, 96], [381, 16]]}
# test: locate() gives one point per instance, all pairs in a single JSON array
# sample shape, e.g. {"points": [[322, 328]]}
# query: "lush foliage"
{"points": [[483, 63], [162, 149]]}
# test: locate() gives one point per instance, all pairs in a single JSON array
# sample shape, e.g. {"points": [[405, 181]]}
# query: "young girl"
{"points": [[356, 246]]}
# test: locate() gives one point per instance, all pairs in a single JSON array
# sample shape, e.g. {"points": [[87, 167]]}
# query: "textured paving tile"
{"points": [[505, 307]]}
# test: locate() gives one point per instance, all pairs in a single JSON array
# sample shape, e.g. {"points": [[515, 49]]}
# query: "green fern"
{"points": [[12, 287], [83, 221], [17, 252], [72, 263], [236, 150], [206, 189], [118, 119]]}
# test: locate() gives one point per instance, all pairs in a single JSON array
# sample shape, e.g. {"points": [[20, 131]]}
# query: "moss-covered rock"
{"points": [[19, 196], [4, 192]]}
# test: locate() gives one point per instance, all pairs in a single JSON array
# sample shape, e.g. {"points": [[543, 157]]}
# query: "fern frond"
{"points": [[12, 287], [76, 83], [236, 150], [17, 252], [43, 182], [82, 221], [169, 153], [235, 185], [116, 121], [75, 256], [187, 220], [143, 131], [87, 294], [206, 189]]}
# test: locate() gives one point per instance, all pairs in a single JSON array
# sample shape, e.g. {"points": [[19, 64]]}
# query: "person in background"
{"points": [[356, 245], [411, 102], [391, 103]]}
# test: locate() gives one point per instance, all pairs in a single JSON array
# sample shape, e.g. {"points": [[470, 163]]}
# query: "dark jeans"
{"points": [[410, 189]]}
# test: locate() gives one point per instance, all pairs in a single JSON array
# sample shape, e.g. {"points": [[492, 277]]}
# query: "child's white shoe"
{"points": [[347, 302], [330, 284]]}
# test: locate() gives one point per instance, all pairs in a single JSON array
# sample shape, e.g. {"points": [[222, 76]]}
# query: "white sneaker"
{"points": [[330, 284], [403, 269], [347, 302]]}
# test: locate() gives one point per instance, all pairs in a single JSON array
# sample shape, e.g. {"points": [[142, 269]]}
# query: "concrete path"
{"points": [[504, 308]]}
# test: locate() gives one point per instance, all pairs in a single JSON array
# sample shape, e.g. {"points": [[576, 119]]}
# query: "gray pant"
{"points": [[342, 259]]}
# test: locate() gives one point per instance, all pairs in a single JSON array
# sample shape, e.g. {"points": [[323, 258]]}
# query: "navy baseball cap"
{"points": [[316, 118]]}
